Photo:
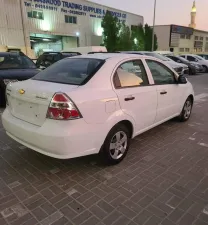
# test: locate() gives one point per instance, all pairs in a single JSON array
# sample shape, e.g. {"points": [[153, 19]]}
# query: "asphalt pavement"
{"points": [[163, 180]]}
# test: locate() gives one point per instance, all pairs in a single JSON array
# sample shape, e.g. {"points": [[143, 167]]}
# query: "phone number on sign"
{"points": [[39, 6]]}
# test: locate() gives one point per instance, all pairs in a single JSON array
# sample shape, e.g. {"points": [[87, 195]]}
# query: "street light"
{"points": [[153, 30]]}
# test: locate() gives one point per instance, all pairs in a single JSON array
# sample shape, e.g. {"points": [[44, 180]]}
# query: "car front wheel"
{"points": [[116, 145], [205, 69], [2, 94], [187, 109]]}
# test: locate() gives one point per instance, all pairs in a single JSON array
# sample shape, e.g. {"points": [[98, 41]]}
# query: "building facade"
{"points": [[41, 25], [180, 39]]}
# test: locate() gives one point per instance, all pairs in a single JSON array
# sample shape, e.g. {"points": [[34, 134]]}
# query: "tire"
{"points": [[192, 72], [113, 150], [2, 94], [186, 111]]}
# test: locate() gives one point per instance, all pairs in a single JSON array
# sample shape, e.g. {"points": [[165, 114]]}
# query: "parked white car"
{"points": [[93, 104], [198, 59]]}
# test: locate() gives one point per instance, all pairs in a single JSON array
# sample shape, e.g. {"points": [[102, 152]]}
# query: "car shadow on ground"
{"points": [[22, 158]]}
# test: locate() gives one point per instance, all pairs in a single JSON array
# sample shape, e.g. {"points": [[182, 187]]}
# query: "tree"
{"points": [[111, 28], [155, 42], [148, 38], [124, 39], [137, 37]]}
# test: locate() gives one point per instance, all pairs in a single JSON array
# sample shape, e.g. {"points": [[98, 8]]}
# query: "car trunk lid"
{"points": [[29, 100]]}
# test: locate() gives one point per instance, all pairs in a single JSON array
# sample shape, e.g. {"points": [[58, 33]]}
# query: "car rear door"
{"points": [[137, 97], [169, 92]]}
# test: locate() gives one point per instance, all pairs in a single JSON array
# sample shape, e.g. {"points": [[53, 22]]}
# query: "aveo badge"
{"points": [[21, 91]]}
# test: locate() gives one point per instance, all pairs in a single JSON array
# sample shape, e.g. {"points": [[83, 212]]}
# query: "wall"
{"points": [[163, 37], [11, 32], [203, 34], [69, 42]]}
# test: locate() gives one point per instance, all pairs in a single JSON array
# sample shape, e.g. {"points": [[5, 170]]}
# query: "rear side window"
{"points": [[75, 71], [130, 74]]}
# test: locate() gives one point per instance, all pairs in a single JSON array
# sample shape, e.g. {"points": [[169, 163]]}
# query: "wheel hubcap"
{"points": [[187, 109], [118, 145]]}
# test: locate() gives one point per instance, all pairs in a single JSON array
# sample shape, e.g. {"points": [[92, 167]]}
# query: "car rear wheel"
{"points": [[186, 111], [116, 145], [192, 71]]}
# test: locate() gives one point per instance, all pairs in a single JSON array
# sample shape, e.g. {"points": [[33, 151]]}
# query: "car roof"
{"points": [[9, 54], [105, 56], [190, 55]]}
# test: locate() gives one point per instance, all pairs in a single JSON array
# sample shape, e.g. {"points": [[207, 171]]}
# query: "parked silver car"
{"points": [[178, 67]]}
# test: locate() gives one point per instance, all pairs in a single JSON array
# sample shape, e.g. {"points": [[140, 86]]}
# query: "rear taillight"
{"points": [[62, 108]]}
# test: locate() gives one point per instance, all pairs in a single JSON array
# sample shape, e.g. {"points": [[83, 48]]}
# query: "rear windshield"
{"points": [[75, 71]]}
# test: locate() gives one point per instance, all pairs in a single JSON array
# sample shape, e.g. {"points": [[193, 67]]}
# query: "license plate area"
{"points": [[27, 111]]}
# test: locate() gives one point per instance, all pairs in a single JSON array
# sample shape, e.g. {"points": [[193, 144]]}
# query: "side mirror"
{"points": [[182, 79], [196, 60], [178, 61]]}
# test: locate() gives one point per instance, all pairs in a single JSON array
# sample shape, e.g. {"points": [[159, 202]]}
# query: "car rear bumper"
{"points": [[57, 139]]}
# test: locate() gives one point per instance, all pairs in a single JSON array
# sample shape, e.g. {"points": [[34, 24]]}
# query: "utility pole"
{"points": [[153, 29]]}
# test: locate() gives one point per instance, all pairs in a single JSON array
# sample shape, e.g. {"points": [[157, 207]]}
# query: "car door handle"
{"points": [[129, 98], [163, 92]]}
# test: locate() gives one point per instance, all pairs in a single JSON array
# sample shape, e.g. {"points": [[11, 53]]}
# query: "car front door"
{"points": [[169, 93], [137, 97]]}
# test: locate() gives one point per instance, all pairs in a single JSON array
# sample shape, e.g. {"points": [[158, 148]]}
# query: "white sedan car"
{"points": [[93, 104]]}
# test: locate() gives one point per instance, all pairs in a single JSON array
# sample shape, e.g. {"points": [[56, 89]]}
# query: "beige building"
{"points": [[41, 25], [180, 39]]}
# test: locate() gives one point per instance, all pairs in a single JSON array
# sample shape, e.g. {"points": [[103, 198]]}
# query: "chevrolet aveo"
{"points": [[94, 104]]}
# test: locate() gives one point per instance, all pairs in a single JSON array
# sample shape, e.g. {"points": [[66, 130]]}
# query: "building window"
{"points": [[201, 38], [206, 38], [187, 50], [181, 49], [188, 36], [196, 38], [35, 14], [71, 19], [183, 36]]}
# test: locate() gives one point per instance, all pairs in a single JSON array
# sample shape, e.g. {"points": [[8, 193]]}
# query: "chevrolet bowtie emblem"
{"points": [[21, 91]]}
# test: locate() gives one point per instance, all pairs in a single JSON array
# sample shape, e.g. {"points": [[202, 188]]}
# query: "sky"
{"points": [[167, 11]]}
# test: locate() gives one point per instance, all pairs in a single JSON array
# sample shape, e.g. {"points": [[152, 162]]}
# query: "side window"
{"points": [[183, 56], [160, 73], [131, 74], [190, 58]]}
